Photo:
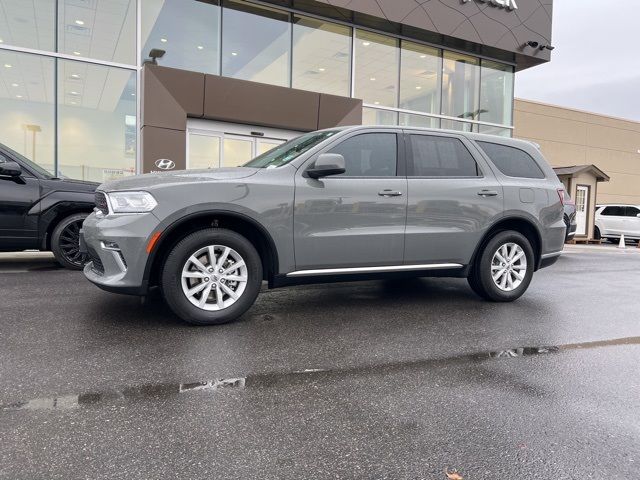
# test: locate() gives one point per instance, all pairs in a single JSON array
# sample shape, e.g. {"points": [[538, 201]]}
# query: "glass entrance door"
{"points": [[211, 149]]}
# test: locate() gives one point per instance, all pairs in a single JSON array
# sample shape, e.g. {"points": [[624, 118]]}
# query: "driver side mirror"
{"points": [[10, 169], [327, 164]]}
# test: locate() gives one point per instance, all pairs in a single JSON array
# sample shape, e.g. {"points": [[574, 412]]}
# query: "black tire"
{"points": [[171, 279], [65, 242], [596, 233], [480, 278]]}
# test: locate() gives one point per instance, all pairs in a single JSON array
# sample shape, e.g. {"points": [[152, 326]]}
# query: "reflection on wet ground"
{"points": [[165, 390]]}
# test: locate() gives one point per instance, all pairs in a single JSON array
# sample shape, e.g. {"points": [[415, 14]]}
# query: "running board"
{"points": [[390, 268]]}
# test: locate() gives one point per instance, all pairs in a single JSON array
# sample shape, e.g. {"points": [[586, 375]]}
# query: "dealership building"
{"points": [[99, 89]]}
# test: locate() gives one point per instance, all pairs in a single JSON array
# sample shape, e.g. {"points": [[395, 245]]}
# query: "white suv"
{"points": [[615, 220]]}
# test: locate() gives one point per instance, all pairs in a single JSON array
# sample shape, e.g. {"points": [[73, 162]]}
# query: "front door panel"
{"points": [[18, 229], [344, 222]]}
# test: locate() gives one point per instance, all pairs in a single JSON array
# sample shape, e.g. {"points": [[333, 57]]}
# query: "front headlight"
{"points": [[131, 202]]}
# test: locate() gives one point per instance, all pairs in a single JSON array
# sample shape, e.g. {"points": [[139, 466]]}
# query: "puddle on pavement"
{"points": [[167, 390]]}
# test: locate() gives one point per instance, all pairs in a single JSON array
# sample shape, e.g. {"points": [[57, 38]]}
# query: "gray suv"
{"points": [[338, 204]]}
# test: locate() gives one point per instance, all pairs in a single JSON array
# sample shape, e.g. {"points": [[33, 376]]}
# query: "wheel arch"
{"points": [[520, 225], [237, 222], [50, 219]]}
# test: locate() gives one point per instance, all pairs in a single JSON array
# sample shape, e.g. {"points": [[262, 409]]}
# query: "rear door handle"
{"points": [[390, 193], [488, 193]]}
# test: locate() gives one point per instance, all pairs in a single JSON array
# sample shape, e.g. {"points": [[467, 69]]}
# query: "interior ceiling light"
{"points": [[7, 65], [163, 40], [423, 56], [234, 54], [366, 44], [321, 69], [418, 87], [76, 53], [373, 79], [75, 75], [79, 22], [199, 47], [376, 103], [15, 85], [74, 93], [1, 41], [18, 96]]}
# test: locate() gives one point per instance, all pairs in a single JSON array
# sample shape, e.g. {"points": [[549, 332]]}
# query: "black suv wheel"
{"points": [[65, 242], [211, 276], [504, 268]]}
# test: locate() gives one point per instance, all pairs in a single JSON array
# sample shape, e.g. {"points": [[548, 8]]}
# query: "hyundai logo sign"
{"points": [[508, 4], [165, 164]]}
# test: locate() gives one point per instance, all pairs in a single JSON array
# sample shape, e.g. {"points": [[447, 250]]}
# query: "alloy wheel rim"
{"points": [[508, 266], [214, 277], [69, 244]]}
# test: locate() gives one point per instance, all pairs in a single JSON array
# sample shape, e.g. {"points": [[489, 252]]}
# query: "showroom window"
{"points": [[460, 89], [321, 56], [28, 24], [187, 31], [496, 92], [256, 43], [420, 71], [377, 61], [96, 121], [27, 112]]}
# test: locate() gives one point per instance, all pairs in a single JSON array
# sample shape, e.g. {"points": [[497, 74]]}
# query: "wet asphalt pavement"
{"points": [[397, 380]]}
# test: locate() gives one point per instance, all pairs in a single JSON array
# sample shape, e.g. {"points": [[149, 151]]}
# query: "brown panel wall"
{"points": [[159, 143], [242, 101], [339, 111], [171, 95]]}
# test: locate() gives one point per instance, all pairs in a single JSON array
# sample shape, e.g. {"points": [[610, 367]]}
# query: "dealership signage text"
{"points": [[508, 4]]}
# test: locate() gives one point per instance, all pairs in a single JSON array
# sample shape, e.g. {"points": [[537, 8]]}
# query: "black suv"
{"points": [[41, 212]]}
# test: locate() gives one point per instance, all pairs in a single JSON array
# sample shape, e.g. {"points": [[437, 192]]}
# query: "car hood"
{"points": [[68, 185], [151, 181]]}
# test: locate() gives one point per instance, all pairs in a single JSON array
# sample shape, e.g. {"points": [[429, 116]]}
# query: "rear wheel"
{"points": [[211, 276], [596, 233], [65, 242], [504, 268]]}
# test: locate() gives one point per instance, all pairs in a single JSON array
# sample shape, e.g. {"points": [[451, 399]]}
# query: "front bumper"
{"points": [[116, 245]]}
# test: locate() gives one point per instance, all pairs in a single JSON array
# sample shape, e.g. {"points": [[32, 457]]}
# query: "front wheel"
{"points": [[212, 276], [65, 242], [504, 268]]}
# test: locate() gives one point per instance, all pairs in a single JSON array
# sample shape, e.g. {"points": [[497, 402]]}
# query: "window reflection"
{"points": [[376, 69], [26, 106], [374, 116], [28, 24], [186, 30], [496, 93], [99, 29], [420, 78], [96, 121], [255, 43], [460, 86], [408, 120], [321, 56]]}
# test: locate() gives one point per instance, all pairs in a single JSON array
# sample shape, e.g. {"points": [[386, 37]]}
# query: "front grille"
{"points": [[101, 203]]}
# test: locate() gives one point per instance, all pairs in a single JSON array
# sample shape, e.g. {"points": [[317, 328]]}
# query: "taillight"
{"points": [[561, 195]]}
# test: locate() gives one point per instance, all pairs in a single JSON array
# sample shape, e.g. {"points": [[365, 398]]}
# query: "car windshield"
{"points": [[283, 154], [28, 163]]}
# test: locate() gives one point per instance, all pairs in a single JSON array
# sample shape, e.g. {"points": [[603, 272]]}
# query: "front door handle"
{"points": [[390, 193], [488, 193]]}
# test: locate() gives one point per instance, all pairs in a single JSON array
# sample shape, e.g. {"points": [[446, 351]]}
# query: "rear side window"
{"points": [[369, 155], [512, 161], [613, 212], [631, 211], [435, 156]]}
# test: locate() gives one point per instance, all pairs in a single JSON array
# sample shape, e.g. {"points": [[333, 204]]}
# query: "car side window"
{"points": [[613, 212], [436, 156], [369, 155], [512, 161]]}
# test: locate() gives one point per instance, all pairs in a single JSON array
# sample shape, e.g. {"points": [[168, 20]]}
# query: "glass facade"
{"points": [[69, 71], [75, 118]]}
